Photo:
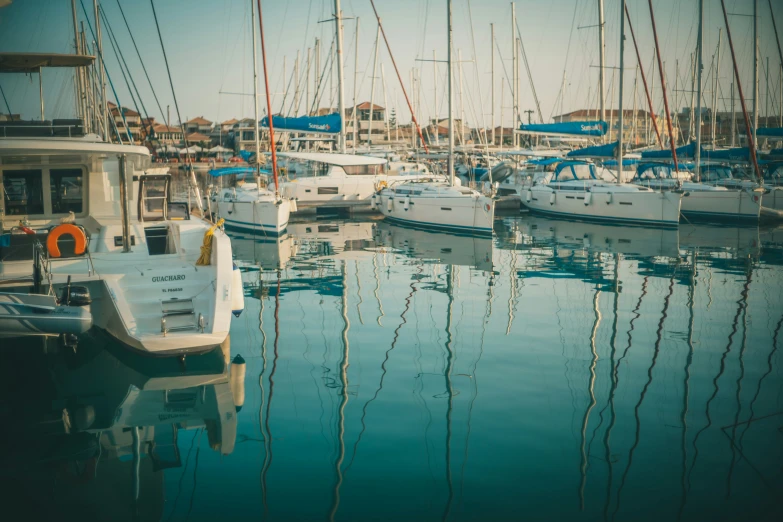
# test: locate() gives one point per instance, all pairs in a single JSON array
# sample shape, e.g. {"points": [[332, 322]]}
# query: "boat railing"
{"points": [[67, 128]]}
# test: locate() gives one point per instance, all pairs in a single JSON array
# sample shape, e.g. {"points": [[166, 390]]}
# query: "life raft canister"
{"points": [[75, 232]]}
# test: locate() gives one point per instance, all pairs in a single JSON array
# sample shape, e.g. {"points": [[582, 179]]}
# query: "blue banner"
{"points": [[575, 128], [598, 151], [685, 152], [329, 124]]}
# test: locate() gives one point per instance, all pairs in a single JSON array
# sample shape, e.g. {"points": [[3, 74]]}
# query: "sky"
{"points": [[208, 46]]}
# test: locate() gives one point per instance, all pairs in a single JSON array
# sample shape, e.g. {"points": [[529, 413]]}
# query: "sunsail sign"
{"points": [[569, 128]]}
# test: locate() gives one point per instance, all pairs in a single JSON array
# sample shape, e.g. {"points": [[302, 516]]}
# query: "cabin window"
{"points": [[328, 190], [362, 170], [23, 192], [66, 186]]}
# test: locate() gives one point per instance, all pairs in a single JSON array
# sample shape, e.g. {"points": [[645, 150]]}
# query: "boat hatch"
{"points": [[159, 240], [155, 199]]}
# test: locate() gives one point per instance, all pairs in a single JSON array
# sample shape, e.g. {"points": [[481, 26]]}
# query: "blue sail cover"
{"points": [[544, 161], [627, 162], [598, 151], [736, 154], [329, 124], [770, 132], [685, 152], [574, 128], [229, 171]]}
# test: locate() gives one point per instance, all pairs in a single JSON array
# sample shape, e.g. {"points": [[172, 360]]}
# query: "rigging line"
{"points": [[482, 136], [775, 30], [402, 85], [171, 83], [529, 76], [108, 76], [568, 52], [143, 67], [319, 92], [644, 79], [5, 100], [118, 55], [272, 146]]}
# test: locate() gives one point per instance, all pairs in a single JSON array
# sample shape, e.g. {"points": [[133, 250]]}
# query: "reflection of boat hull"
{"points": [[601, 237], [444, 248], [271, 253], [743, 240]]}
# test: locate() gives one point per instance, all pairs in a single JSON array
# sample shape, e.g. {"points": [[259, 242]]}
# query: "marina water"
{"points": [[558, 371]]}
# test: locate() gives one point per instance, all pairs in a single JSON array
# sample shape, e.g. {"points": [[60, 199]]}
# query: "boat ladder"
{"points": [[180, 315]]}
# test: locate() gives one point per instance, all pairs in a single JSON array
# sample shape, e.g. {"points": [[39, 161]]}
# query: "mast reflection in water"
{"points": [[558, 371]]}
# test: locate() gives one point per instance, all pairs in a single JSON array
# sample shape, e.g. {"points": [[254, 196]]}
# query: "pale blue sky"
{"points": [[208, 46]]}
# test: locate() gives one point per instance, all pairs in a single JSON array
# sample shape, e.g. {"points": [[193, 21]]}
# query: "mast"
{"points": [[715, 89], [514, 80], [355, 78], [78, 71], [385, 104], [602, 58], [296, 87], [751, 135], [451, 95], [269, 112], [372, 85], [699, 69], [647, 92], [435, 79], [255, 94], [620, 128], [492, 48], [340, 73], [755, 68], [461, 100], [692, 124], [102, 77], [733, 119]]}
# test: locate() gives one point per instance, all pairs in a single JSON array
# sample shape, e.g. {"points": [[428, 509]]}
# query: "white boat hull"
{"points": [[720, 204], [266, 217], [471, 214], [604, 204]]}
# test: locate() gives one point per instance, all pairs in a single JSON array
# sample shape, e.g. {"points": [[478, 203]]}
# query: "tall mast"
{"points": [[602, 60], [451, 95], [699, 69], [102, 76], [620, 104], [340, 73], [755, 68], [372, 84], [492, 48], [255, 92], [268, 102], [514, 81], [663, 88], [435, 79], [355, 78], [715, 88]]}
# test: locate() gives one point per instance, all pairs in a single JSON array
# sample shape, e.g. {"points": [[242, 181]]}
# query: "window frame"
{"points": [[46, 187]]}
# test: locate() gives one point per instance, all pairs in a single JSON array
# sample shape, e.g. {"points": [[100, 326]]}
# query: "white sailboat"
{"points": [[250, 206], [439, 205], [79, 211]]}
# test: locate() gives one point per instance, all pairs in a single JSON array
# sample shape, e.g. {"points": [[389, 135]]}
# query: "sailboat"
{"points": [[248, 205], [439, 205]]}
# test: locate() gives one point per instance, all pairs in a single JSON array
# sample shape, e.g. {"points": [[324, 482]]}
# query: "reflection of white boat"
{"points": [[268, 253], [442, 248], [599, 237], [574, 190], [740, 240], [318, 180], [334, 238]]}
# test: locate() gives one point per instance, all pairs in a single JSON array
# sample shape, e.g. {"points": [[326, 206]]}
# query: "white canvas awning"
{"points": [[168, 148], [218, 148], [191, 150]]}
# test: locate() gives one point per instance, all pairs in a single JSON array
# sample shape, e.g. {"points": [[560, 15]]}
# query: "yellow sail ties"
{"points": [[206, 248]]}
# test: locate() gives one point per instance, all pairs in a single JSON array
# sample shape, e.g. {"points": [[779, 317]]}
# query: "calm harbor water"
{"points": [[559, 371]]}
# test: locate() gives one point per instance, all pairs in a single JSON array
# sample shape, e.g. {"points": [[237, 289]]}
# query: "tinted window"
{"points": [[23, 192], [67, 188], [361, 170]]}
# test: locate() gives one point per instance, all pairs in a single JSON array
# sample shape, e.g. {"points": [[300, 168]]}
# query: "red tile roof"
{"points": [[199, 121], [366, 105], [196, 136]]}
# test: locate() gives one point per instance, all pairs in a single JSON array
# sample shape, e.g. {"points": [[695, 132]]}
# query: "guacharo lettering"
{"points": [[166, 279]]}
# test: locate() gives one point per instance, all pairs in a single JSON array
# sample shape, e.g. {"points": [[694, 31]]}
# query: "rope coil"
{"points": [[206, 248]]}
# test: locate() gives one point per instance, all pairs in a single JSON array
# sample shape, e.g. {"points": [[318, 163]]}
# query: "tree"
{"points": [[393, 118]]}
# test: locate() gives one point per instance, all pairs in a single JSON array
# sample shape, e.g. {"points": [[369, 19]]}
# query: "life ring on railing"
{"points": [[80, 239]]}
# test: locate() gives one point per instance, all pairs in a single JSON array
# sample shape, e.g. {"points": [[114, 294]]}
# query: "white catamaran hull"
{"points": [[605, 204]]}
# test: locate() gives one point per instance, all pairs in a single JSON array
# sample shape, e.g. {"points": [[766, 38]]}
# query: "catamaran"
{"points": [[81, 211], [439, 205]]}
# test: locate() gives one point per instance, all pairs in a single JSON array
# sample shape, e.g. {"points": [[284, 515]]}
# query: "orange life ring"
{"points": [[66, 229]]}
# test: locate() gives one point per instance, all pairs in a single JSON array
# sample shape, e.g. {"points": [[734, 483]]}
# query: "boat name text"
{"points": [[166, 279]]}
